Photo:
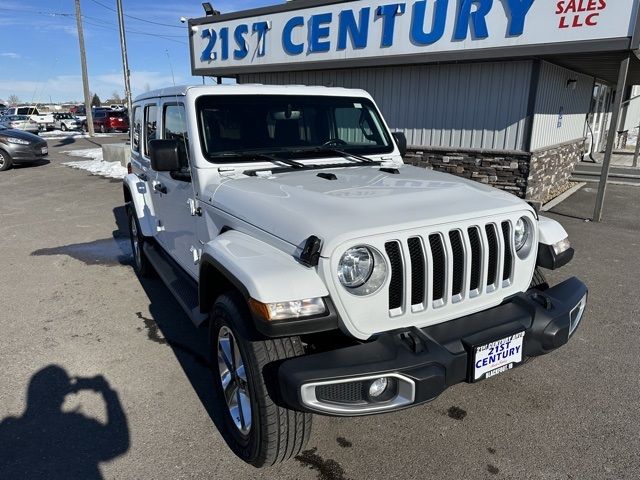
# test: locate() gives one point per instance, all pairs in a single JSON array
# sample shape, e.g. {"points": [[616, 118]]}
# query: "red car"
{"points": [[106, 121]]}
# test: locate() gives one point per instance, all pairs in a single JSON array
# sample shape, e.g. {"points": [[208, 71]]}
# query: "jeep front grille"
{"points": [[438, 269]]}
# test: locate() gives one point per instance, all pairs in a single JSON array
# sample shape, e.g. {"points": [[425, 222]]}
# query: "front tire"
{"points": [[258, 430], [103, 129], [141, 263], [63, 127], [5, 161]]}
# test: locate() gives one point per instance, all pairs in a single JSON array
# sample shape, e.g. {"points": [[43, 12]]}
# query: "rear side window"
{"points": [[150, 122], [175, 128], [136, 131]]}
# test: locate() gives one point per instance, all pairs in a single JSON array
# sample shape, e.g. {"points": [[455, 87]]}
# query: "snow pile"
{"points": [[57, 134], [96, 165]]}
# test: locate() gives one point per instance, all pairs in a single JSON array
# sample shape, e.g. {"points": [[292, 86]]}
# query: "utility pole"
{"points": [[125, 60], [85, 76]]}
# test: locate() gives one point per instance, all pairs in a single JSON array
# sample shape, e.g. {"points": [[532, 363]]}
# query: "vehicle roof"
{"points": [[252, 89]]}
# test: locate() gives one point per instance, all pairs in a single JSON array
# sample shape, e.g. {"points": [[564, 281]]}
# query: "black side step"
{"points": [[181, 285]]}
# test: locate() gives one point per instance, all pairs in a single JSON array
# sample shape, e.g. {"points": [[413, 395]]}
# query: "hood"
{"points": [[11, 132], [360, 201]]}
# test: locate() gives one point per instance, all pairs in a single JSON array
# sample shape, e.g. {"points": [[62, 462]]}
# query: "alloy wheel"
{"points": [[233, 377], [135, 242]]}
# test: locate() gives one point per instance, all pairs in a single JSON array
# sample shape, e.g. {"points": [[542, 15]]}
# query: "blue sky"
{"points": [[39, 53]]}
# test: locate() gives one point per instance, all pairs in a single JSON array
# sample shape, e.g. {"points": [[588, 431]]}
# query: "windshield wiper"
{"points": [[335, 151], [260, 156]]}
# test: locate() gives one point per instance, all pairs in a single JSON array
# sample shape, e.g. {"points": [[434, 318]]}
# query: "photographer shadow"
{"points": [[47, 442]]}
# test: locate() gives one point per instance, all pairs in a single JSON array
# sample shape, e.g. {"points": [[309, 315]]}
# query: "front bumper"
{"points": [[422, 363], [27, 153]]}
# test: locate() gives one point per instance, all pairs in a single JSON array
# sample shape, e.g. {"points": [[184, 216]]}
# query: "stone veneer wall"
{"points": [[551, 168], [506, 170]]}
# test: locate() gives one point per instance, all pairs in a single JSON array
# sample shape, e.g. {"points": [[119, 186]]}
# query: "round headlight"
{"points": [[521, 233], [355, 267]]}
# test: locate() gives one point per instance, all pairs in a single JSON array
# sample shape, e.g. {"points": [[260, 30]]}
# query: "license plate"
{"points": [[497, 356], [45, 150]]}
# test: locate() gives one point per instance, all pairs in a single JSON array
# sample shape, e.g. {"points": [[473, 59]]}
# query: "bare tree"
{"points": [[13, 99], [115, 96]]}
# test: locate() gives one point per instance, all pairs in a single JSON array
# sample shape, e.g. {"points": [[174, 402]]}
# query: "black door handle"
{"points": [[158, 187]]}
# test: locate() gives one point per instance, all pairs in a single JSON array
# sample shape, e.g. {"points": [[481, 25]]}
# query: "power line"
{"points": [[137, 18], [135, 32]]}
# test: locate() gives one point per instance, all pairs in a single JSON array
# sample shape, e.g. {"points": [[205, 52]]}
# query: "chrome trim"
{"points": [[573, 324], [405, 396]]}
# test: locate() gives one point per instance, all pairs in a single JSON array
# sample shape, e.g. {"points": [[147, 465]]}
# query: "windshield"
{"points": [[284, 125]]}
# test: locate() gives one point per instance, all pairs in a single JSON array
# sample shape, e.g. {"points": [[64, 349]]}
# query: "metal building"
{"points": [[499, 92]]}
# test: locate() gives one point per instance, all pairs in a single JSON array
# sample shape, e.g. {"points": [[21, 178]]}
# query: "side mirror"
{"points": [[164, 155], [401, 141]]}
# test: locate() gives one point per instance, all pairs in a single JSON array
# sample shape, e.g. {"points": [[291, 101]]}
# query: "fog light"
{"points": [[378, 387]]}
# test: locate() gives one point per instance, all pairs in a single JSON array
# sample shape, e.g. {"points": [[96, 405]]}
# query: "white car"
{"points": [[44, 120], [65, 121], [334, 278], [20, 122]]}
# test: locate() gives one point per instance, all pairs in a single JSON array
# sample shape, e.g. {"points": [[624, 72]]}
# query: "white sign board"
{"points": [[378, 29]]}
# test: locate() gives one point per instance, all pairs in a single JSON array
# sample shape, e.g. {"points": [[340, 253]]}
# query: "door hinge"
{"points": [[194, 208], [197, 253]]}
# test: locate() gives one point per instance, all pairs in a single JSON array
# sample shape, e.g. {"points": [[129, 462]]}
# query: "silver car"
{"points": [[20, 147], [65, 121], [20, 122]]}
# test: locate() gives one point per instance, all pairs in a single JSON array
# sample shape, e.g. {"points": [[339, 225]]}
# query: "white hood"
{"points": [[361, 201]]}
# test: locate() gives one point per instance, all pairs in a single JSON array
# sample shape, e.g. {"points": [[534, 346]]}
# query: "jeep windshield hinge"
{"points": [[310, 255]]}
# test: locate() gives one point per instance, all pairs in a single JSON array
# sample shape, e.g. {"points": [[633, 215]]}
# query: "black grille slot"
{"points": [[476, 258], [439, 266], [396, 285], [418, 275], [457, 248], [508, 254], [348, 392], [492, 270]]}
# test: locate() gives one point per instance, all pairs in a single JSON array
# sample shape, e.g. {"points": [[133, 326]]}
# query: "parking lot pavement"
{"points": [[71, 306]]}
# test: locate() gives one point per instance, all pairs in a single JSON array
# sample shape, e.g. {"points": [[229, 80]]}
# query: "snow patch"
{"points": [[58, 134], [96, 165]]}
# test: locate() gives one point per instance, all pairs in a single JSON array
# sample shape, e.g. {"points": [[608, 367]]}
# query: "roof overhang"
{"points": [[589, 36]]}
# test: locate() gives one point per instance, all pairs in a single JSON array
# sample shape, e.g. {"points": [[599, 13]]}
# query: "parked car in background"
{"points": [[20, 147], [117, 107], [108, 121], [20, 122], [65, 121], [44, 120], [78, 110]]}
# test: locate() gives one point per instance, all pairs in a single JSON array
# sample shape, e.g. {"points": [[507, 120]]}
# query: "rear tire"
{"points": [[141, 263], [63, 127], [274, 433], [5, 161], [103, 129]]}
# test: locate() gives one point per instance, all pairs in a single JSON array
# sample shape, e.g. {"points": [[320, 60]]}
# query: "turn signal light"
{"points": [[287, 310]]}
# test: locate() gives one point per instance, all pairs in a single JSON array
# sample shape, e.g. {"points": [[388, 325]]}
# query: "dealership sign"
{"points": [[376, 29]]}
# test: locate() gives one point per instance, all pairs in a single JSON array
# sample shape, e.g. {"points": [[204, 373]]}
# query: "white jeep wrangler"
{"points": [[335, 279]]}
